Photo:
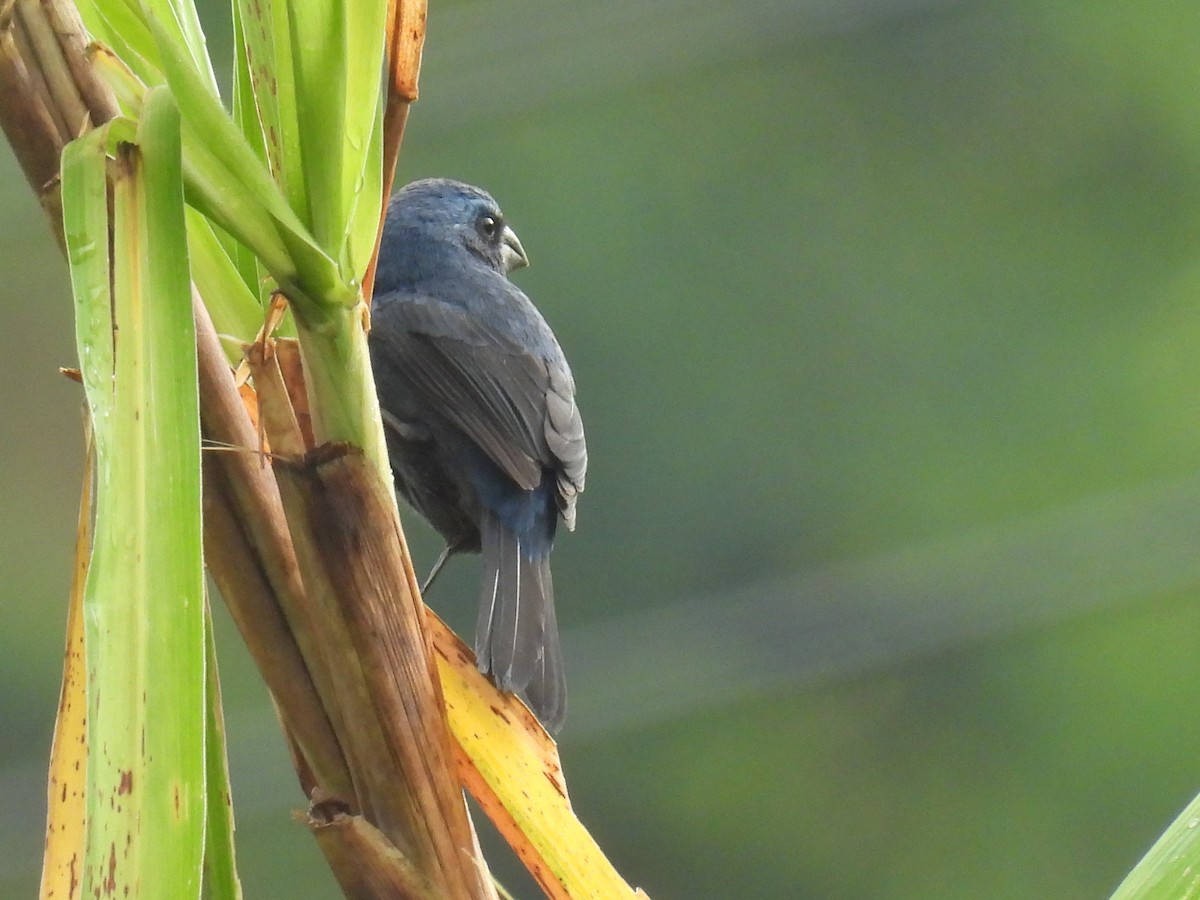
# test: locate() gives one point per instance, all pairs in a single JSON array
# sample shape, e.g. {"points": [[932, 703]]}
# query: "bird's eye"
{"points": [[489, 226]]}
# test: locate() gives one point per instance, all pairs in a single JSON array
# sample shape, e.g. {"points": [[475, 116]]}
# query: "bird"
{"points": [[484, 436]]}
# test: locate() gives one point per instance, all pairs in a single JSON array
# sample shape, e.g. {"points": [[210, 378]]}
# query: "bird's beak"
{"points": [[511, 251]]}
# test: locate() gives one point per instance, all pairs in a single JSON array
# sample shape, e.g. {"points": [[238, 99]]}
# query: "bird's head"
{"points": [[453, 214]]}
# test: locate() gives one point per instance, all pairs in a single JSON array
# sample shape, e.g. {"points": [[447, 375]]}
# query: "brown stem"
{"points": [[345, 528]]}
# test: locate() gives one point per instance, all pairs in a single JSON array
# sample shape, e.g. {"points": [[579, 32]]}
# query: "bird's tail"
{"points": [[516, 637]]}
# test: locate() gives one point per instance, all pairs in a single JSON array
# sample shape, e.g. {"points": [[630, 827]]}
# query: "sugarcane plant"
{"points": [[220, 260]]}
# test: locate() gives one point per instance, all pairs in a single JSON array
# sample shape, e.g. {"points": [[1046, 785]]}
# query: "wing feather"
{"points": [[517, 407]]}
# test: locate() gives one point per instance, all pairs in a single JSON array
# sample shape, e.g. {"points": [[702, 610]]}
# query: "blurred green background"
{"points": [[884, 318]]}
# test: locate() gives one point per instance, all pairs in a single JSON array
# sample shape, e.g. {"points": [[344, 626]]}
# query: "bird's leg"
{"points": [[437, 566]]}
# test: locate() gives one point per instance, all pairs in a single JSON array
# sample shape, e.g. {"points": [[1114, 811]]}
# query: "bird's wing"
{"points": [[563, 430], [517, 407]]}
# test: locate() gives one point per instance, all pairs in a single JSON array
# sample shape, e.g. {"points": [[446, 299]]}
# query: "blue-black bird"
{"points": [[478, 403]]}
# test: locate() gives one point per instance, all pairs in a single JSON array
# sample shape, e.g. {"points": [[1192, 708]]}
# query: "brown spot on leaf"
{"points": [[556, 784], [110, 883], [126, 785]]}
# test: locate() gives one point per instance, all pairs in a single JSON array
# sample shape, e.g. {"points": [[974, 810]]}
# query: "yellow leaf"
{"points": [[511, 767], [62, 864]]}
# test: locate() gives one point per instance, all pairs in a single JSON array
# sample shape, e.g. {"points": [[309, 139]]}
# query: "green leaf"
{"points": [[366, 203], [144, 601], [227, 181], [213, 190], [1169, 869], [320, 54], [234, 308], [220, 863], [178, 18], [337, 56], [270, 116], [245, 115], [120, 26], [362, 170], [85, 225]]}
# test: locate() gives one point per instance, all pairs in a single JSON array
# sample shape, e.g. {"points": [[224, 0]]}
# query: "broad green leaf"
{"points": [[144, 597]]}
